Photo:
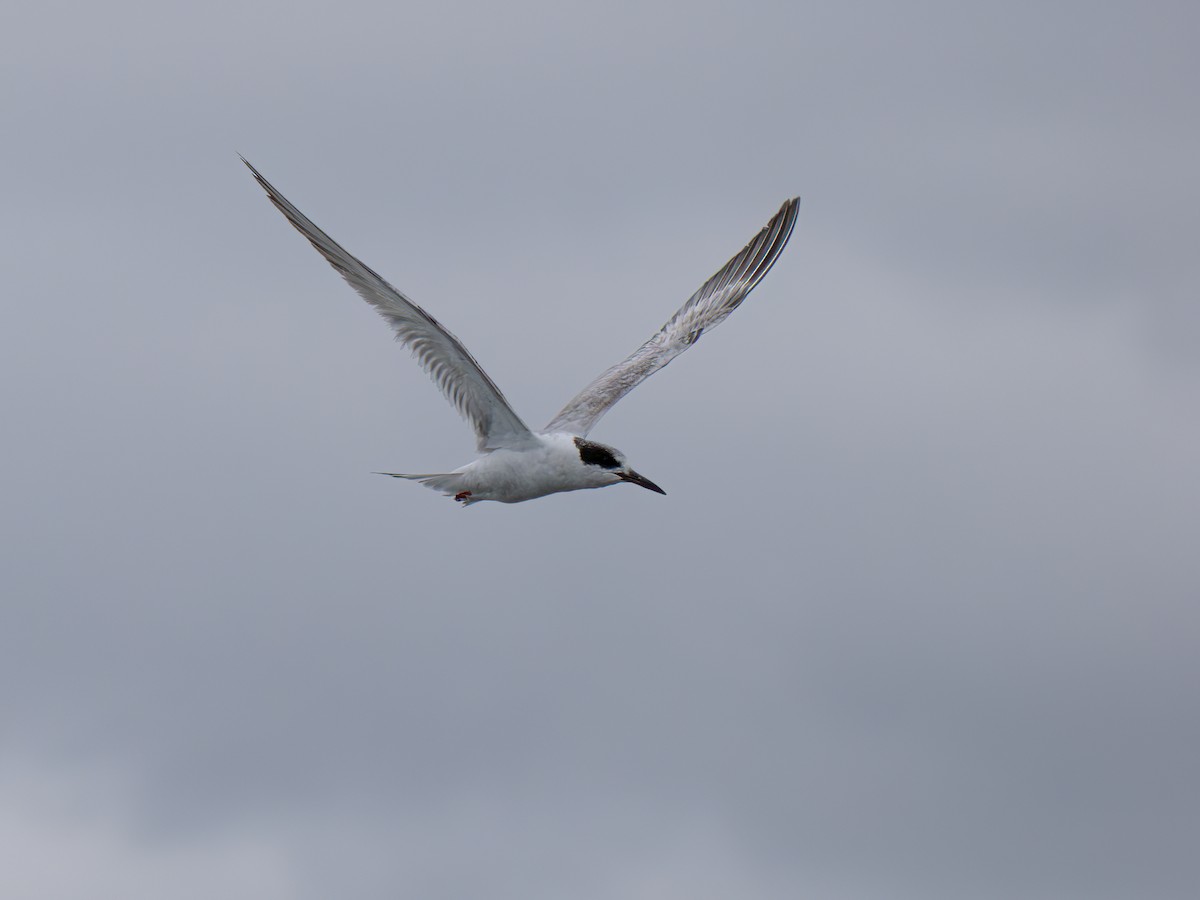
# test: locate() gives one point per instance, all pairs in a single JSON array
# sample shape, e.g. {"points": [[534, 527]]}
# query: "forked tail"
{"points": [[449, 483]]}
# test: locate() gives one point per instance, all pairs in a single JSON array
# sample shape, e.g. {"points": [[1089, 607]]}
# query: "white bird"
{"points": [[516, 463]]}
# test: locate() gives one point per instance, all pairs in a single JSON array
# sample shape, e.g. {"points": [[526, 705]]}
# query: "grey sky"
{"points": [[918, 617]]}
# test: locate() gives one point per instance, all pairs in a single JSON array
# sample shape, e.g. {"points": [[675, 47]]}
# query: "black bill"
{"points": [[635, 478]]}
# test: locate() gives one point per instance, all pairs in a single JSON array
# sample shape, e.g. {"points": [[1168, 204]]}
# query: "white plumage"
{"points": [[517, 463]]}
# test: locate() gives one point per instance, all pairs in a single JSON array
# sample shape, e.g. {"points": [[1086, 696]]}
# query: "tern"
{"points": [[517, 463]]}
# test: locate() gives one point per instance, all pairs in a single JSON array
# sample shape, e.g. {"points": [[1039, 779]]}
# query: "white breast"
{"points": [[510, 476]]}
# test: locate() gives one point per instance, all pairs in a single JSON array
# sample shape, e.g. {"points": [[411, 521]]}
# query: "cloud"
{"points": [[70, 833]]}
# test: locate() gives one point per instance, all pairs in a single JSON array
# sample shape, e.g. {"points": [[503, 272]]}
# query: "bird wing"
{"points": [[441, 354], [704, 310]]}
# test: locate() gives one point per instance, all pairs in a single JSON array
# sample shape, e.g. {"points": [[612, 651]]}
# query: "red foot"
{"points": [[462, 496]]}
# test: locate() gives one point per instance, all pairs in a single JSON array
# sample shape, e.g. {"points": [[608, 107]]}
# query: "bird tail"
{"points": [[449, 483]]}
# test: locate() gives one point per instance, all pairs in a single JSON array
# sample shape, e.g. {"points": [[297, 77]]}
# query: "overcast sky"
{"points": [[919, 616]]}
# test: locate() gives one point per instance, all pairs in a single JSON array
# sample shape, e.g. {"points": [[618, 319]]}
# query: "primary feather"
{"points": [[704, 310], [456, 373]]}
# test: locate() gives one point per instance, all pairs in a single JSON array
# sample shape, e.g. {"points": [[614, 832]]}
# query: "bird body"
{"points": [[518, 463], [549, 464]]}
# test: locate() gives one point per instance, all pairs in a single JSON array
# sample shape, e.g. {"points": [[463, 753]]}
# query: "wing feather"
{"points": [[456, 373], [704, 310]]}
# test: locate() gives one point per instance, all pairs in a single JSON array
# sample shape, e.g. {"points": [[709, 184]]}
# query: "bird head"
{"points": [[608, 465]]}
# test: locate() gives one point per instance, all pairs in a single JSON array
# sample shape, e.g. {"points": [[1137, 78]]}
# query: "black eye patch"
{"points": [[596, 455]]}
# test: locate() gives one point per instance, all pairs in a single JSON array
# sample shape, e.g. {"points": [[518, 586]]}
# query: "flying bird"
{"points": [[517, 463]]}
